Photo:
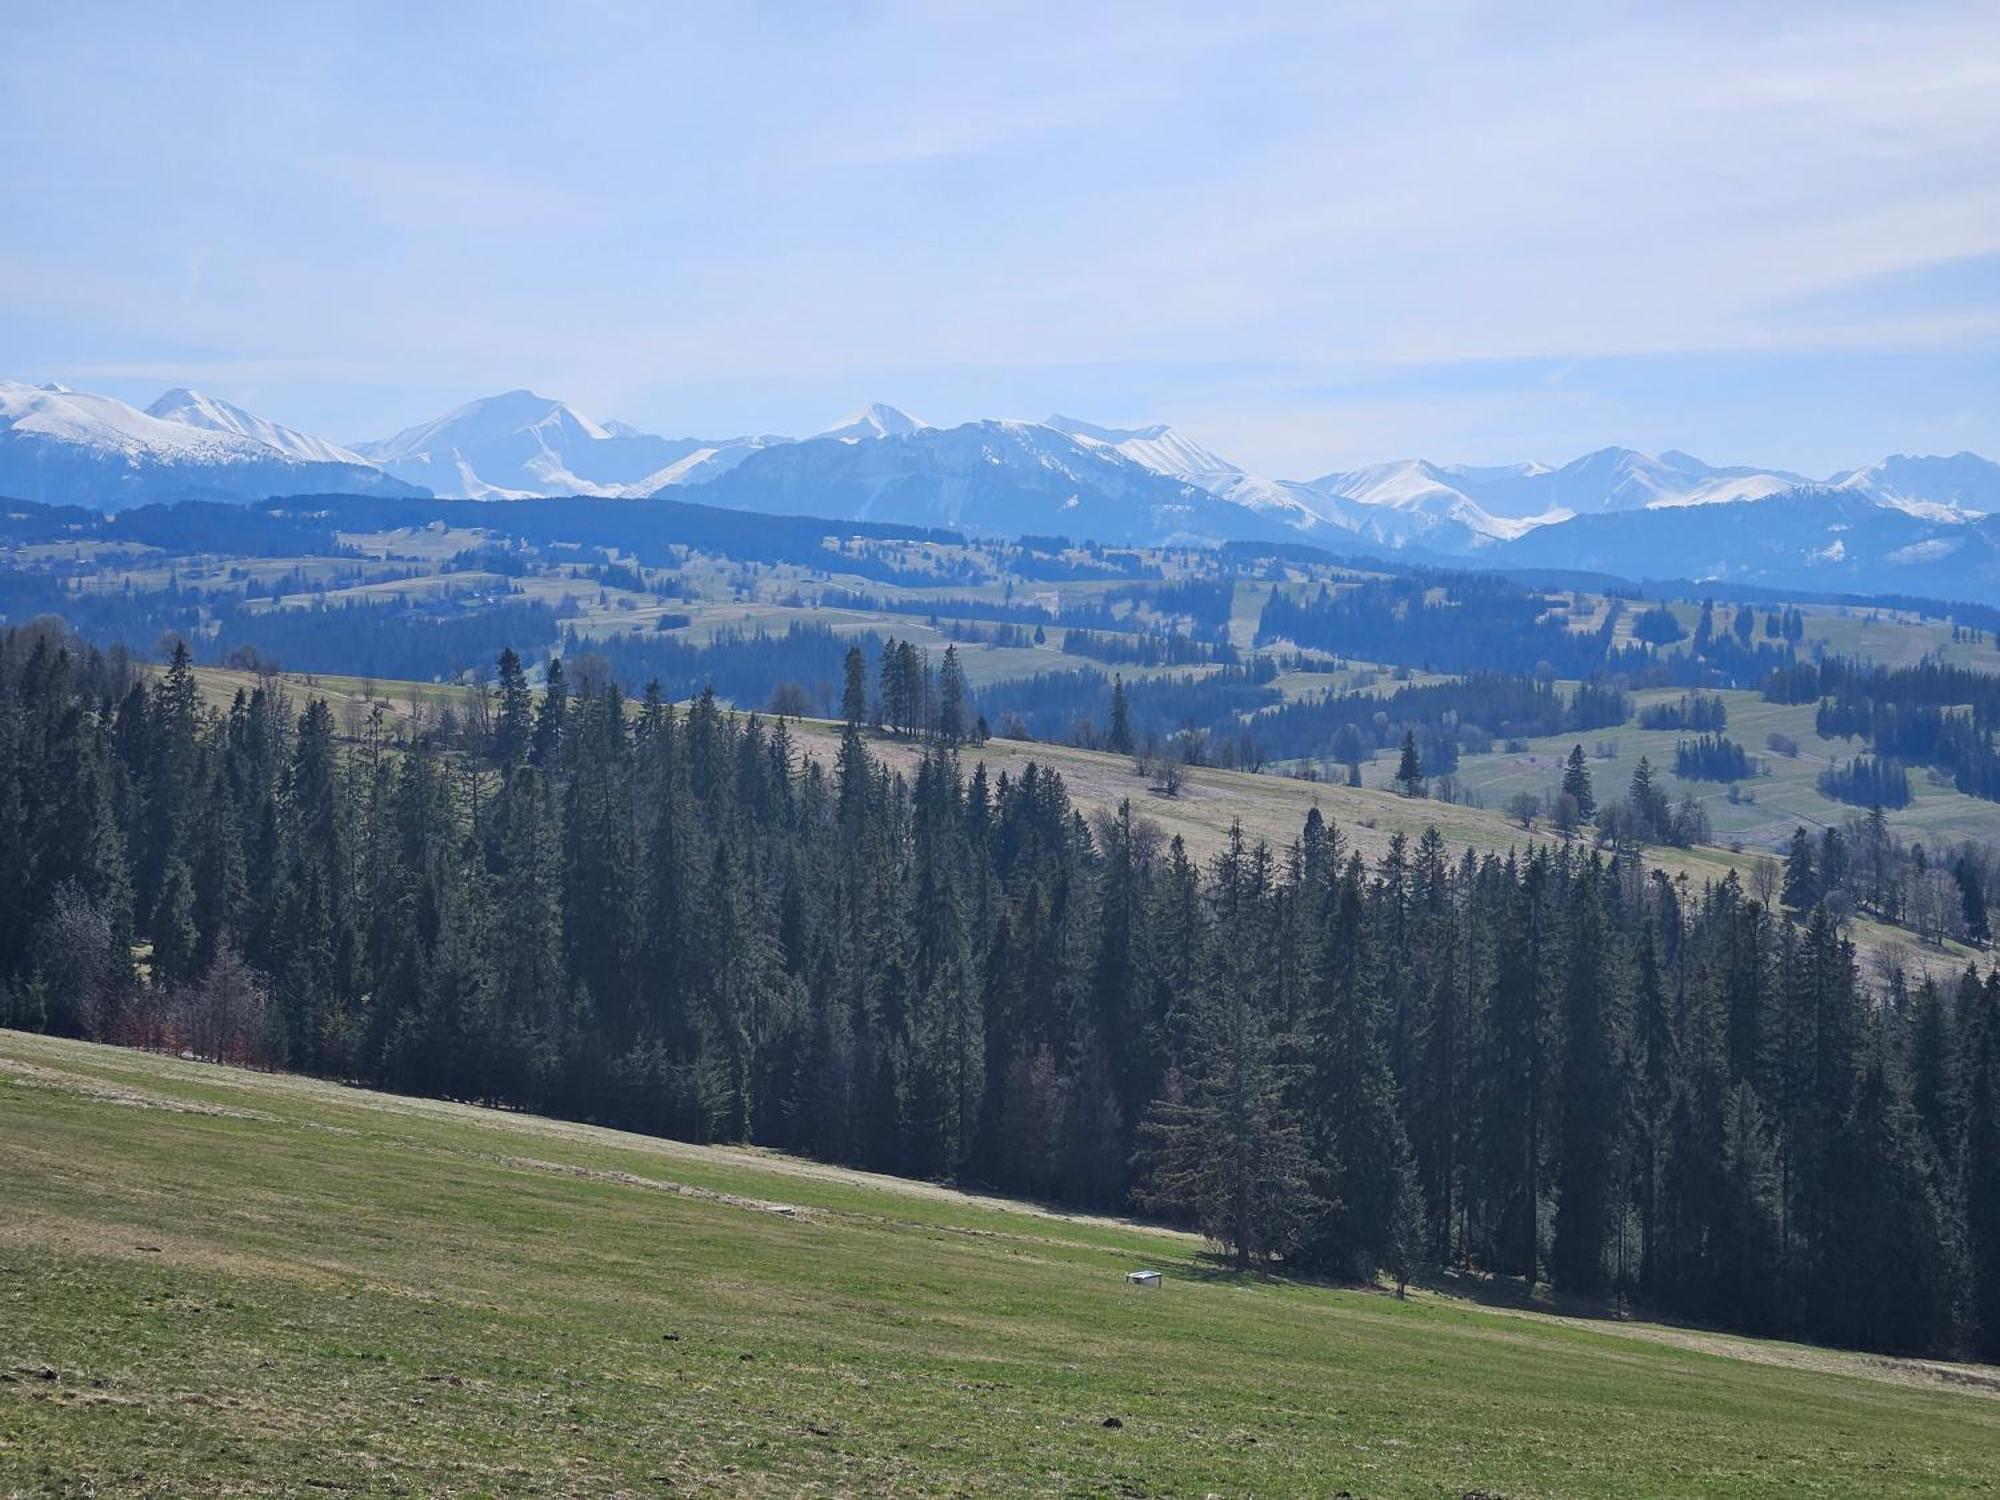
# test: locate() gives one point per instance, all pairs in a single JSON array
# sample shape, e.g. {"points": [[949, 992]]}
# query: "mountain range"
{"points": [[1912, 524], [69, 447]]}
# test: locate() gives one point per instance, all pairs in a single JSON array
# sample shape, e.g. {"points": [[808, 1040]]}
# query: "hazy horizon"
{"points": [[1309, 237]]}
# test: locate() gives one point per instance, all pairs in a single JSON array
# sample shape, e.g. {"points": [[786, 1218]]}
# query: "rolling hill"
{"points": [[214, 1279]]}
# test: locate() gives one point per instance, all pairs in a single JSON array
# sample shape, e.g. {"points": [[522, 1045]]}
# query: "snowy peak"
{"points": [[875, 420], [101, 424], [510, 415], [1500, 501], [193, 409], [1157, 447], [1413, 500], [1173, 455], [1936, 488], [1076, 427], [73, 447], [1148, 482], [518, 444], [989, 477]]}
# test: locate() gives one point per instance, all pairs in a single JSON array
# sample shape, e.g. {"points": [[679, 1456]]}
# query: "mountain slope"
{"points": [[1149, 484], [716, 1318], [1414, 502], [1504, 501], [1821, 538], [994, 478], [518, 444], [69, 447], [211, 414], [1168, 452], [1940, 488], [875, 420]]}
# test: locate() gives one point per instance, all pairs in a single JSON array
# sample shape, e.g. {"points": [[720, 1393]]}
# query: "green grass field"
{"points": [[1786, 794], [224, 1283]]}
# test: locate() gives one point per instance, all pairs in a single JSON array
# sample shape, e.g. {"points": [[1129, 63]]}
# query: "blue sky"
{"points": [[1311, 235]]}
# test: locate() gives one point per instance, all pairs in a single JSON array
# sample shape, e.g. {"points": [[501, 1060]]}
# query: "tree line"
{"points": [[1548, 1064], [1931, 713]]}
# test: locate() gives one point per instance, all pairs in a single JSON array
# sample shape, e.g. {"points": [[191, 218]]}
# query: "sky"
{"points": [[1311, 236]]}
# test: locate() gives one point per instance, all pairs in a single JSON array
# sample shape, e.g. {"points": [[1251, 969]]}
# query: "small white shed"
{"points": [[1144, 1278]]}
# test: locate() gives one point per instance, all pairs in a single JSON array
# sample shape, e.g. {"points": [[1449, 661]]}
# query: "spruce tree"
{"points": [[1576, 784], [546, 742], [1801, 884], [1980, 1188], [1591, 1093], [1352, 1119], [1972, 903], [1227, 1152], [1649, 803], [1410, 768], [1657, 1084], [951, 725], [854, 689], [1118, 738], [513, 727]]}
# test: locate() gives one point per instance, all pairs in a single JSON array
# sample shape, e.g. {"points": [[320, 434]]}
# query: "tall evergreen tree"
{"points": [[1352, 1120], [1576, 784], [854, 689], [951, 723], [1592, 1106], [1220, 1145], [1118, 738], [1801, 886], [1410, 767], [513, 727]]}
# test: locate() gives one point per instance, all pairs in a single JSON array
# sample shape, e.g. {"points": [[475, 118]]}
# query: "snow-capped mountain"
{"points": [[1938, 488], [994, 478], [193, 409], [518, 444], [1834, 538], [1158, 448], [1003, 477], [1617, 509], [1414, 502], [1163, 450], [1505, 501], [875, 420], [70, 447]]}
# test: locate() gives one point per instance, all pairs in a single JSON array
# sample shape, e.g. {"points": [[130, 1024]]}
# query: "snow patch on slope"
{"points": [[875, 420], [211, 414]]}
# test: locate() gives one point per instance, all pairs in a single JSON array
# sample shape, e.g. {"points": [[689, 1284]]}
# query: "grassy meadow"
{"points": [[1784, 795], [216, 1282]]}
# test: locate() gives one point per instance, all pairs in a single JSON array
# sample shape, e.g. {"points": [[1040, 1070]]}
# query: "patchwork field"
{"points": [[216, 1282], [1784, 795]]}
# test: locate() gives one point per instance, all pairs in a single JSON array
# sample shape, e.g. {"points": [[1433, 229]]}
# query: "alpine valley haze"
{"points": [[1900, 524], [1336, 914]]}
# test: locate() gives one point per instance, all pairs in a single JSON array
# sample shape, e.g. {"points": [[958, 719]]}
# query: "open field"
{"points": [[1785, 795], [219, 1282]]}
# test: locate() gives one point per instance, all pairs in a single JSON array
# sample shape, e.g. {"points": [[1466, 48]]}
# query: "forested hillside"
{"points": [[1556, 1066]]}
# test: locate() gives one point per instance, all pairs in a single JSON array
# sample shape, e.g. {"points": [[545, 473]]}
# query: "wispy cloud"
{"points": [[743, 218]]}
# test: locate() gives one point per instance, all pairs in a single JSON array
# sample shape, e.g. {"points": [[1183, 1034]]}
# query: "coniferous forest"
{"points": [[1552, 1064]]}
